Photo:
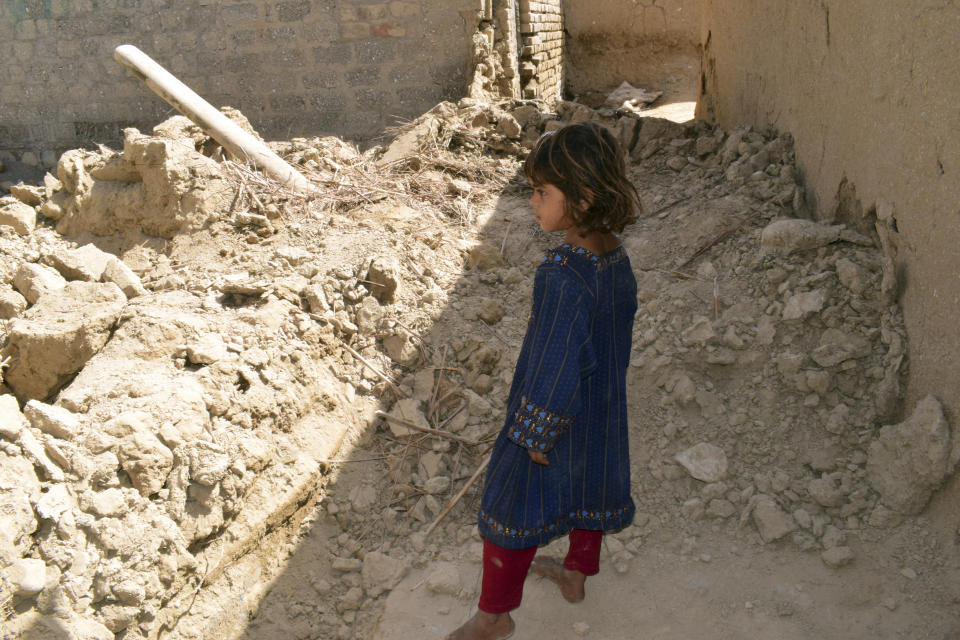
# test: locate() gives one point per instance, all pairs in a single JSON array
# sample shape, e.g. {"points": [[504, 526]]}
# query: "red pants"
{"points": [[504, 570]]}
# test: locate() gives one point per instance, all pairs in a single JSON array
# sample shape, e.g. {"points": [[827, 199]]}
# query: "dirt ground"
{"points": [[271, 330]]}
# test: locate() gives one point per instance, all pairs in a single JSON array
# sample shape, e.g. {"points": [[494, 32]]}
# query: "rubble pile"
{"points": [[186, 345]]}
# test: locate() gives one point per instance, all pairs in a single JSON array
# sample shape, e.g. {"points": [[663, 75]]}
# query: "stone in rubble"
{"points": [[804, 304], [444, 579], [208, 349], [508, 127], [34, 280], [123, 276], [701, 331], [27, 194], [85, 263], [836, 346], [401, 349], [53, 420], [146, 460], [484, 257], [209, 463], [34, 452], [110, 503], [26, 576], [851, 275], [381, 573], [826, 491], [771, 521], [795, 234], [490, 311], [704, 462], [12, 421], [19, 488], [437, 484], [12, 304], [57, 336], [910, 460], [13, 213], [384, 278], [837, 557], [55, 502]]}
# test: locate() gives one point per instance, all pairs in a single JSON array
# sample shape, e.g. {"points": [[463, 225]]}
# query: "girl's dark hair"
{"points": [[585, 162]]}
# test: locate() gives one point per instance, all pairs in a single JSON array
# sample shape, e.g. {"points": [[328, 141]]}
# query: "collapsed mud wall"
{"points": [[869, 92], [612, 41], [294, 67]]}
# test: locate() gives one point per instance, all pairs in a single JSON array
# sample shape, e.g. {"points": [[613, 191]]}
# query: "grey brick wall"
{"points": [[294, 67]]}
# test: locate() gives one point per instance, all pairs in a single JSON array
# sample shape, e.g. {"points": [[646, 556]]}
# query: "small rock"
{"points": [[110, 503], [146, 460], [701, 331], [54, 503], [12, 421], [384, 278], [677, 162], [27, 576], [34, 280], [351, 600], [490, 311], [909, 573], [21, 217], [346, 565], [51, 419], [836, 346], [34, 451], [85, 263], [581, 628], [837, 557], [509, 127], [123, 276], [12, 304], [444, 579], [770, 519], [437, 484], [851, 275], [484, 257], [720, 508], [210, 348], [381, 573], [801, 305], [704, 462], [27, 194], [209, 463], [910, 460]]}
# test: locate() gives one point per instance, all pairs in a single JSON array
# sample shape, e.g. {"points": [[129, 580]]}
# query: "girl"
{"points": [[560, 465]]}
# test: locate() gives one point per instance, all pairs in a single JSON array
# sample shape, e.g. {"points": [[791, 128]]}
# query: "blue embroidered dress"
{"points": [[568, 400]]}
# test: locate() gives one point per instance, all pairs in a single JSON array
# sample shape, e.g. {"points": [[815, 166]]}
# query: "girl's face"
{"points": [[548, 204]]}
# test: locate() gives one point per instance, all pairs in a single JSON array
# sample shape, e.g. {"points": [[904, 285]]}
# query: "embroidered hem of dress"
{"points": [[606, 520]]}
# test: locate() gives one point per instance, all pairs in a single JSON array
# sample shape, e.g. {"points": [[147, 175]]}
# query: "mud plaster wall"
{"points": [[610, 41], [869, 90], [294, 67]]}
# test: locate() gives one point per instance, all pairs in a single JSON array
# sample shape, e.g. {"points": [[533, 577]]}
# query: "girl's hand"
{"points": [[538, 457]]}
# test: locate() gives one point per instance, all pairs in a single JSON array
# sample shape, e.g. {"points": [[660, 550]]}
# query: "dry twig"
{"points": [[416, 427], [460, 494]]}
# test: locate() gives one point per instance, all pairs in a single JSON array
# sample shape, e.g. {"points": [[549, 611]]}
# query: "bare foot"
{"points": [[485, 626], [571, 582]]}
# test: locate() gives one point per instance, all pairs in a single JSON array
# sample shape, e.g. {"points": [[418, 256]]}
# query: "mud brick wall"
{"points": [[294, 67], [541, 54], [610, 41], [868, 88]]}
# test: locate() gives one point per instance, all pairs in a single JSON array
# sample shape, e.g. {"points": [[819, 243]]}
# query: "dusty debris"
{"points": [[256, 326]]}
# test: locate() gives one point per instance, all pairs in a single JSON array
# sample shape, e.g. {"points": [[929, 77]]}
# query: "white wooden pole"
{"points": [[237, 141]]}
